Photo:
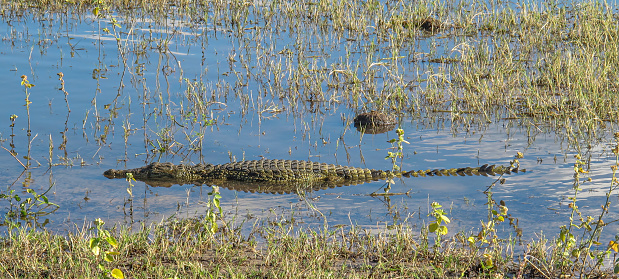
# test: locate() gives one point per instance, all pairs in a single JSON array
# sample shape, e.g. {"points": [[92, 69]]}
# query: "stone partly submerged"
{"points": [[374, 122], [282, 176]]}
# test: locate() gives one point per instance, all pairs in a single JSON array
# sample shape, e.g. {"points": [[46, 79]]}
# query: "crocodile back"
{"points": [[292, 170]]}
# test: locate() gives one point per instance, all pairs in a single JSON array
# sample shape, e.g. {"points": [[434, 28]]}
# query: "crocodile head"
{"points": [[155, 171], [164, 172]]}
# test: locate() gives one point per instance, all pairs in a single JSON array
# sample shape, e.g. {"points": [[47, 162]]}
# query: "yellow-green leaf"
{"points": [[614, 246], [96, 250], [116, 273], [471, 239], [445, 219], [488, 263], [112, 241]]}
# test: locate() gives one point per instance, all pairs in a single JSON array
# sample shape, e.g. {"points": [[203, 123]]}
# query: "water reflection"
{"points": [[186, 93]]}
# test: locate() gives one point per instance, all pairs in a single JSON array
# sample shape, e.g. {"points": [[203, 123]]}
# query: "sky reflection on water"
{"points": [[104, 96]]}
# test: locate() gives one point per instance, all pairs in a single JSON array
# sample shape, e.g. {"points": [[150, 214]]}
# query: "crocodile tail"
{"points": [[485, 170], [385, 174], [380, 174]]}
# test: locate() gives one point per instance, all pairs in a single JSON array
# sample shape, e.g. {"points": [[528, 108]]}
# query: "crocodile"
{"points": [[282, 176]]}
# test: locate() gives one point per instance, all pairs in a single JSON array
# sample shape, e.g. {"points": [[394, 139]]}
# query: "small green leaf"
{"points": [[105, 234], [108, 258], [95, 11], [94, 242], [433, 227], [112, 241]]}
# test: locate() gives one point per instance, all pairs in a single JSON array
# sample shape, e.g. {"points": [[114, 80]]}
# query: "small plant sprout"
{"points": [[130, 180], [213, 211], [96, 245], [436, 226], [396, 144]]}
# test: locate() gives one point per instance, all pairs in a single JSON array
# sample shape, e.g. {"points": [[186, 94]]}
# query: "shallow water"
{"points": [[132, 107]]}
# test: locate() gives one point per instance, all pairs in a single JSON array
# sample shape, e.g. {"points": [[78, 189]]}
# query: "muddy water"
{"points": [[190, 93]]}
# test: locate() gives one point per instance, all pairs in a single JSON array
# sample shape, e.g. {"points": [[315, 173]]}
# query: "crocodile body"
{"points": [[278, 176]]}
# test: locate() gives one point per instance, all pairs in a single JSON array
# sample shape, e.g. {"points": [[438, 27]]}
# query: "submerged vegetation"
{"points": [[542, 67]]}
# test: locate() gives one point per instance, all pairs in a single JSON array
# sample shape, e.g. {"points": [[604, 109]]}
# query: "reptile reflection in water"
{"points": [[282, 176]]}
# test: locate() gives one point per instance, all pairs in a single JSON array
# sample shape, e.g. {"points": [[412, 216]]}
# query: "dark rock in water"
{"points": [[431, 24], [375, 122], [375, 118]]}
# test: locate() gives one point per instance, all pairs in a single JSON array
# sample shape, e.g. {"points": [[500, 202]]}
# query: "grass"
{"points": [[185, 249], [545, 66]]}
